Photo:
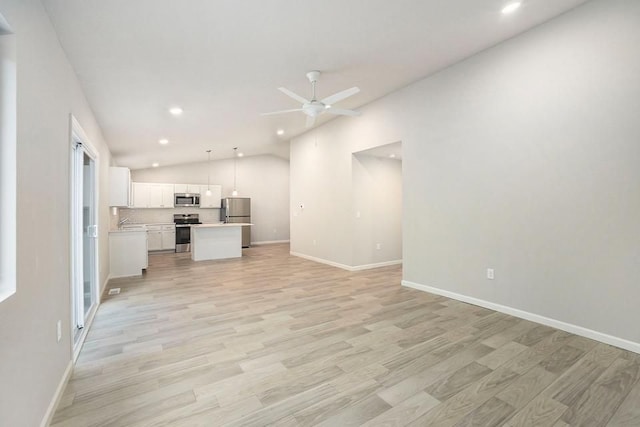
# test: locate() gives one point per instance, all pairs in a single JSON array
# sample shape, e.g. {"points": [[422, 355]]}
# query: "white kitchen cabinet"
{"points": [[120, 187], [161, 237], [140, 195], [186, 188], [154, 237], [155, 196], [146, 195], [169, 237], [212, 201], [128, 252], [160, 195]]}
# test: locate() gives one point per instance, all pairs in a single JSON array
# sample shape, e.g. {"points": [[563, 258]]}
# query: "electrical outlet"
{"points": [[314, 242], [490, 274], [114, 291], [378, 246], [358, 214], [59, 330]]}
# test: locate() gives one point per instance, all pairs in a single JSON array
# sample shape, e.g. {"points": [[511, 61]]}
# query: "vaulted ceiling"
{"points": [[222, 61]]}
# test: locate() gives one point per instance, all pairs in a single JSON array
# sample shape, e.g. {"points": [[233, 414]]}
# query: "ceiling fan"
{"points": [[312, 107]]}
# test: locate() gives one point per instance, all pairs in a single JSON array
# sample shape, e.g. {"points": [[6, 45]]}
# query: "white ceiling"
{"points": [[223, 60]]}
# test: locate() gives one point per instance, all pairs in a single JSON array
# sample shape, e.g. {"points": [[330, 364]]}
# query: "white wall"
{"points": [[32, 363], [263, 178], [377, 203], [523, 158]]}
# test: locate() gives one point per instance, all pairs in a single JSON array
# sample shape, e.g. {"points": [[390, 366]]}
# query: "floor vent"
{"points": [[114, 291]]}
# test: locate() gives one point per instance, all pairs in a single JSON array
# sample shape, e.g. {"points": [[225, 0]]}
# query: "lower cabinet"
{"points": [[168, 237], [127, 252], [161, 237], [155, 239]]}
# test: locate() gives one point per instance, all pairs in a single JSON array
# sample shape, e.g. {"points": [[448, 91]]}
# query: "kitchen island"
{"points": [[216, 241]]}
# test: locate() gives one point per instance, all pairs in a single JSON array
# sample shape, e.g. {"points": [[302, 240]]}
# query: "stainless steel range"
{"points": [[183, 224]]}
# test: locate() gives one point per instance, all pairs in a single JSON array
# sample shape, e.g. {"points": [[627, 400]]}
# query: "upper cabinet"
{"points": [[213, 200], [147, 195], [187, 188], [120, 187]]}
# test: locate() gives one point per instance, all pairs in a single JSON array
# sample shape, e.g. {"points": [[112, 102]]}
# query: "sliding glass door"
{"points": [[84, 236]]}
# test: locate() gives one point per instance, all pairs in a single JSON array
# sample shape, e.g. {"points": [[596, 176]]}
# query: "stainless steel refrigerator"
{"points": [[238, 209]]}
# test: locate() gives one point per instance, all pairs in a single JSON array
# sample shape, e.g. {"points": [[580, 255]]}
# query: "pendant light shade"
{"points": [[235, 171], [208, 192]]}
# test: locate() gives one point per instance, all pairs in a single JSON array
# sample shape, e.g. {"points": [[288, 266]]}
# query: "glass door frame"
{"points": [[80, 318]]}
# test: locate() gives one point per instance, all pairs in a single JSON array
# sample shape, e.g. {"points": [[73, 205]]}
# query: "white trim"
{"points": [[128, 275], [568, 327], [77, 134], [8, 162], [80, 134], [104, 287], [269, 242], [376, 265], [347, 267], [53, 405], [77, 346], [321, 261]]}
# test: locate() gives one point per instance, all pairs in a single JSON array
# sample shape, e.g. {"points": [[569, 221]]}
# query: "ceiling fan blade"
{"points": [[280, 112], [311, 120], [293, 95], [340, 95], [342, 112]]}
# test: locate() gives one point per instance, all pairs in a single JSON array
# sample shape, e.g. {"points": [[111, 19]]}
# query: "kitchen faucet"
{"points": [[122, 221]]}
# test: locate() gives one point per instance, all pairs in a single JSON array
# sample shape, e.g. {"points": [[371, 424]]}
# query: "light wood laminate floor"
{"points": [[271, 339]]}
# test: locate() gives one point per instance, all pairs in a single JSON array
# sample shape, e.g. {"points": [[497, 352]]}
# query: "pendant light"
{"points": [[235, 171], [208, 192]]}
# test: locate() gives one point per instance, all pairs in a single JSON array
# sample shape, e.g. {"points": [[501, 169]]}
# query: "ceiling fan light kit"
{"points": [[314, 107]]}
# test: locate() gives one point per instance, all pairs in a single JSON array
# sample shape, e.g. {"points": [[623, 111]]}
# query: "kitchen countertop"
{"points": [[129, 230], [220, 224], [137, 226]]}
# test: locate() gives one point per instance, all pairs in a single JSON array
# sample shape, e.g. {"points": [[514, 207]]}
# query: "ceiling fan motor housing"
{"points": [[313, 108], [313, 76]]}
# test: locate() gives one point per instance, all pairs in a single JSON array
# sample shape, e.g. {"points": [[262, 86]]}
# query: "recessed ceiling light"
{"points": [[176, 111], [155, 165], [240, 154], [280, 132], [327, 106], [163, 141], [393, 156], [511, 7]]}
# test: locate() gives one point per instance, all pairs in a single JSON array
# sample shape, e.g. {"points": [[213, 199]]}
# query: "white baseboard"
{"points": [[568, 327], [46, 420], [124, 276], [321, 261], [376, 265], [344, 266], [269, 242], [104, 288]]}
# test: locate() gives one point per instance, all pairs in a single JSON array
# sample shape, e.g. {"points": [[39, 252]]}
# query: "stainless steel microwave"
{"points": [[186, 200]]}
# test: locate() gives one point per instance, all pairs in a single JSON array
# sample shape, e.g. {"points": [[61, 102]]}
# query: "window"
{"points": [[7, 161]]}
